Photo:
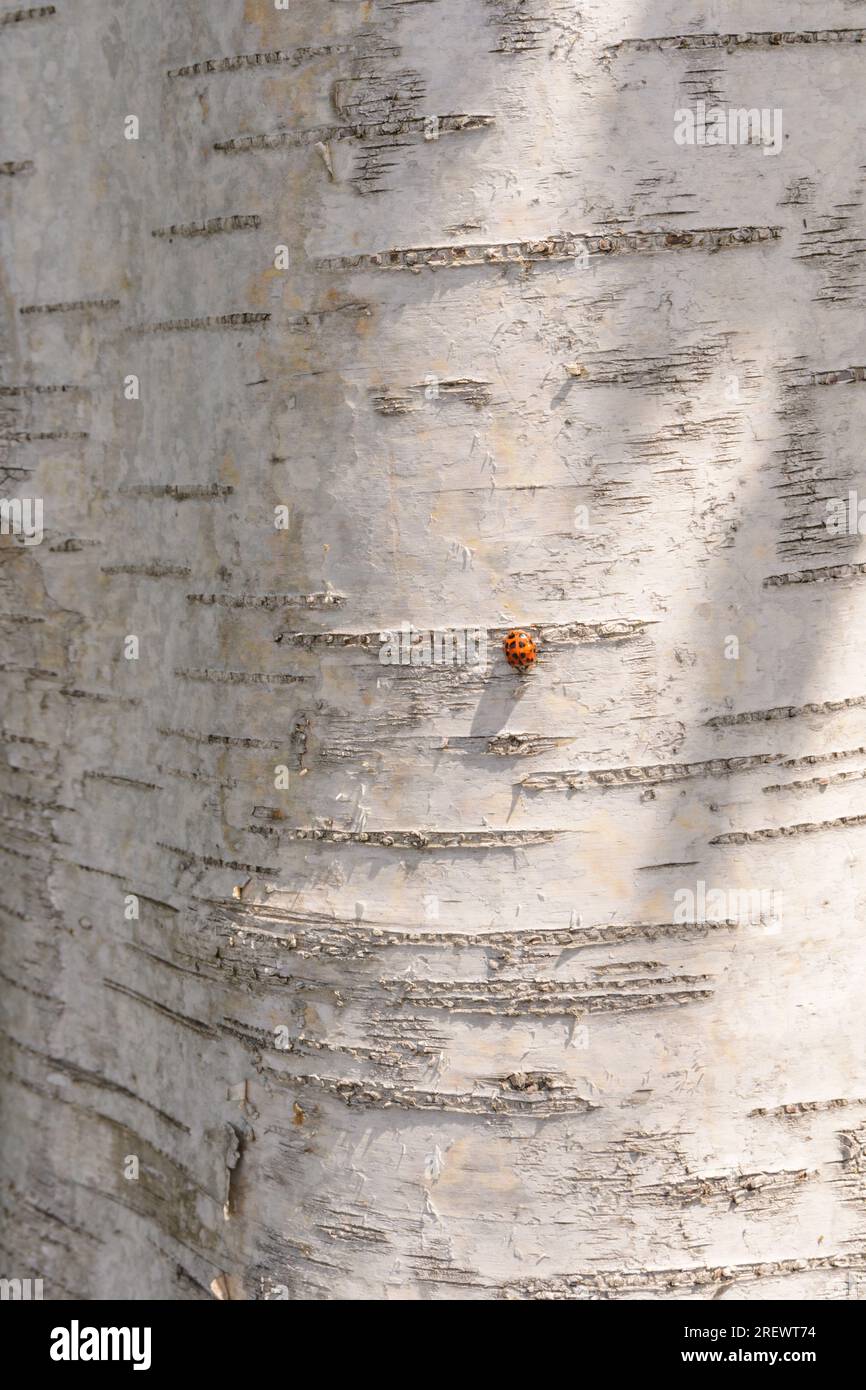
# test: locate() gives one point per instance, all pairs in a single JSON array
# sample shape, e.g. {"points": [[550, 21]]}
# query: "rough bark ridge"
{"points": [[430, 1022]]}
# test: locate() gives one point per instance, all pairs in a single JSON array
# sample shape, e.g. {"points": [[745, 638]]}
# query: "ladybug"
{"points": [[520, 649]]}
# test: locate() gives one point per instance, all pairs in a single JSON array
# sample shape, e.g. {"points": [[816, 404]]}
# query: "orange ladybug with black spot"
{"points": [[521, 649]]}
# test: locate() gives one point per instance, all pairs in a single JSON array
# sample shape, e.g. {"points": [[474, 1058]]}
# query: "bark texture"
{"points": [[428, 1022]]}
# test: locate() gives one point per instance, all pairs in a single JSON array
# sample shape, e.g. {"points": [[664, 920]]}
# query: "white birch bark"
{"points": [[432, 1021]]}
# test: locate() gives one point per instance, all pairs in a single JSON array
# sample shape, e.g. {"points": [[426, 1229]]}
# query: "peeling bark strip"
{"points": [[818, 783], [35, 390], [806, 1107], [223, 740], [522, 745], [70, 306], [686, 367], [118, 780], [150, 569], [777, 832], [34, 436], [412, 839], [236, 223], [521, 31], [392, 401], [552, 248], [181, 492], [720, 721], [244, 320], [99, 697], [731, 1190], [274, 57], [356, 1093], [212, 862], [813, 759], [34, 12], [551, 635], [841, 377], [674, 1282], [815, 576], [759, 39], [644, 776], [315, 135], [237, 677], [311, 936], [545, 998], [269, 602]]}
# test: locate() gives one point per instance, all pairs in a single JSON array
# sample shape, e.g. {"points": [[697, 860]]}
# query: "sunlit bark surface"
{"points": [[328, 978]]}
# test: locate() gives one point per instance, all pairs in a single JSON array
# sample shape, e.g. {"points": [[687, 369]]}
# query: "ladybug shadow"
{"points": [[500, 697]]}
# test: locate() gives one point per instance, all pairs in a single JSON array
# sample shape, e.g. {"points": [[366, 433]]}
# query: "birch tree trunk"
{"points": [[331, 979]]}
